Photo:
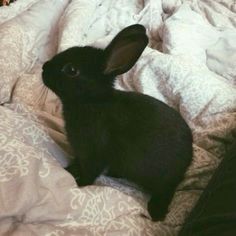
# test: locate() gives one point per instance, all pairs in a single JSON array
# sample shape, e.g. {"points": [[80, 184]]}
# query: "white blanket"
{"points": [[190, 64]]}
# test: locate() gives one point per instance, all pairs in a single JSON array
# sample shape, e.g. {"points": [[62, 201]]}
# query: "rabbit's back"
{"points": [[149, 138], [136, 136]]}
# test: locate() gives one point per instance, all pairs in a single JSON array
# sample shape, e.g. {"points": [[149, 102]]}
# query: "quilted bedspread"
{"points": [[190, 64]]}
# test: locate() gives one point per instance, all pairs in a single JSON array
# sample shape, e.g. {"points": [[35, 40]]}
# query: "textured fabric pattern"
{"points": [[188, 40], [21, 41], [7, 13]]}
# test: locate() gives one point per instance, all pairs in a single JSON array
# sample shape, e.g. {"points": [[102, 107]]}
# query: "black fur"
{"points": [[133, 135]]}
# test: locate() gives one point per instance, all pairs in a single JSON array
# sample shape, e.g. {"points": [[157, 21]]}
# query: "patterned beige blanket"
{"points": [[190, 64]]}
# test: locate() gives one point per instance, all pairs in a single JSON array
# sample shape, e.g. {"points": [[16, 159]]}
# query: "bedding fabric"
{"points": [[189, 65], [22, 39]]}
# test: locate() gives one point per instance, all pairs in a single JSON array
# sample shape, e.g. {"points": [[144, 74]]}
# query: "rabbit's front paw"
{"points": [[73, 170], [80, 180], [84, 181]]}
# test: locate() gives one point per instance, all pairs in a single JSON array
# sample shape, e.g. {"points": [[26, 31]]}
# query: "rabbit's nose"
{"points": [[45, 65]]}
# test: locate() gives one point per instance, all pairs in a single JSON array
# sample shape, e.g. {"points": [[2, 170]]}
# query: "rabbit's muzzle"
{"points": [[47, 74]]}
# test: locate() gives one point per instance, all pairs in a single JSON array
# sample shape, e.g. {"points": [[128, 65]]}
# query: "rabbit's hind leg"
{"points": [[158, 205]]}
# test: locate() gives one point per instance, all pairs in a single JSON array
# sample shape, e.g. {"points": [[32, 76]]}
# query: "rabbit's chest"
{"points": [[88, 132]]}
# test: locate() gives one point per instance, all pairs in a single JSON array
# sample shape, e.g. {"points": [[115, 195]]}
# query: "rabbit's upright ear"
{"points": [[125, 49]]}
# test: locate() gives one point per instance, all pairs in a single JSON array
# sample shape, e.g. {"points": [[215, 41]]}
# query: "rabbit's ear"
{"points": [[125, 49]]}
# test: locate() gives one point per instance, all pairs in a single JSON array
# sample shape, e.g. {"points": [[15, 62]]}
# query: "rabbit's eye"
{"points": [[70, 70]]}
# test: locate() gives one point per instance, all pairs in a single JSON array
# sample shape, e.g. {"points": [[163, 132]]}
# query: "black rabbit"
{"points": [[132, 135]]}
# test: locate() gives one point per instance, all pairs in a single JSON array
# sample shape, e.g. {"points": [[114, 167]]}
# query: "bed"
{"points": [[190, 64]]}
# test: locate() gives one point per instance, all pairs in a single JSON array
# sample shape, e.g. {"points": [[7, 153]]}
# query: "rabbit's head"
{"points": [[87, 72]]}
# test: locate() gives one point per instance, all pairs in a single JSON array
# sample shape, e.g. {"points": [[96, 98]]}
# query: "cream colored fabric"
{"points": [[16, 8], [189, 65], [22, 38]]}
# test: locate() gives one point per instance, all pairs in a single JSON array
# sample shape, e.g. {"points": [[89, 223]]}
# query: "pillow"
{"points": [[22, 40]]}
